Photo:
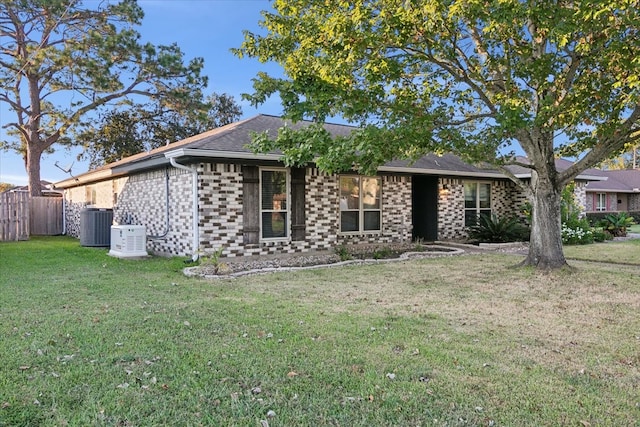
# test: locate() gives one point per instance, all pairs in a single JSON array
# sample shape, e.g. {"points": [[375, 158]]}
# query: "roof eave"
{"points": [[86, 178], [442, 172], [230, 155]]}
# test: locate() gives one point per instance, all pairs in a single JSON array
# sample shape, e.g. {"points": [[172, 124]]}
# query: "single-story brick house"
{"points": [[209, 191], [620, 192]]}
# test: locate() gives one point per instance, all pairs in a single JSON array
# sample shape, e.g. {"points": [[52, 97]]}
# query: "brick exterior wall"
{"points": [[450, 209], [633, 203], [220, 208], [506, 200], [140, 199], [396, 214]]}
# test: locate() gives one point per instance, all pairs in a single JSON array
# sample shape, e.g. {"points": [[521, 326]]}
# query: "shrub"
{"points": [[492, 229], [212, 259], [577, 234], [343, 252], [617, 224], [600, 235], [577, 231]]}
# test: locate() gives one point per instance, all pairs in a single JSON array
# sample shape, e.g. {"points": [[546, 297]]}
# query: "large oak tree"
{"points": [[478, 78], [60, 60]]}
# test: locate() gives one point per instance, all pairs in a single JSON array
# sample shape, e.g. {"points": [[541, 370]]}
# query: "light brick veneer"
{"points": [[141, 198], [450, 209]]}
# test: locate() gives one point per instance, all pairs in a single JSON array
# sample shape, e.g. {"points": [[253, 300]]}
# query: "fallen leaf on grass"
{"points": [[24, 367], [292, 374]]}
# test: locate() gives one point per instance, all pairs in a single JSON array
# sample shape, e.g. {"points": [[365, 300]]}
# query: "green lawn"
{"points": [[634, 228], [627, 252], [90, 340]]}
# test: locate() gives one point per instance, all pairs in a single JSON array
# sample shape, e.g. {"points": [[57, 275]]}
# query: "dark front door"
{"points": [[424, 197]]}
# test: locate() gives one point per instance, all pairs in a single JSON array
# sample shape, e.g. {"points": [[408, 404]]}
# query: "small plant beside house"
{"points": [[492, 229], [343, 252], [212, 259]]}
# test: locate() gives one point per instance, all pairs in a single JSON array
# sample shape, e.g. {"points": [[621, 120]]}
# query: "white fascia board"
{"points": [[215, 154], [580, 177], [591, 177], [440, 172]]}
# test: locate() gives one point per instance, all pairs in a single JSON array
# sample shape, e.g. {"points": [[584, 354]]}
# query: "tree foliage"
{"points": [[60, 60], [628, 159], [118, 134], [479, 78]]}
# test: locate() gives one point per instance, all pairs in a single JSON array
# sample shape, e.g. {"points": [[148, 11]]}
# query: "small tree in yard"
{"points": [[60, 61], [474, 77]]}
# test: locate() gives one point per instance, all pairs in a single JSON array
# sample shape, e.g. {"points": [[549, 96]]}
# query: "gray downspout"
{"points": [[194, 188]]}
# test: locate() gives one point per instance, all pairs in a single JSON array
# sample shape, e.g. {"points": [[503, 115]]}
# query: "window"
{"points": [[360, 206], [477, 201], [273, 203], [90, 195], [601, 201]]}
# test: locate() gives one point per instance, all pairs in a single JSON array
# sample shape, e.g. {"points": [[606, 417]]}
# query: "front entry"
{"points": [[424, 198]]}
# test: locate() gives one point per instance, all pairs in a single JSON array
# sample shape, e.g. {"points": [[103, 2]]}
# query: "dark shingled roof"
{"points": [[619, 181], [230, 143]]}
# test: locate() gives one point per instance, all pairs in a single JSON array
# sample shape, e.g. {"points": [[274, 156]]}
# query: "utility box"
{"points": [[94, 227], [128, 241]]}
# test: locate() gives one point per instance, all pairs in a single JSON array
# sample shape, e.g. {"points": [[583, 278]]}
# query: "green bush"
{"points": [[343, 252], [491, 229], [596, 217], [577, 231], [617, 224], [601, 235]]}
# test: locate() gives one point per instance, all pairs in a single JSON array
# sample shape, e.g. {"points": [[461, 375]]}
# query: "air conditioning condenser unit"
{"points": [[128, 241]]}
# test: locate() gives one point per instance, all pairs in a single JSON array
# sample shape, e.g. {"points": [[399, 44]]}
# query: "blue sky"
{"points": [[205, 28]]}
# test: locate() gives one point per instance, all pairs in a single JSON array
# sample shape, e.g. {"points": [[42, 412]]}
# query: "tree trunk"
{"points": [[545, 246], [34, 155]]}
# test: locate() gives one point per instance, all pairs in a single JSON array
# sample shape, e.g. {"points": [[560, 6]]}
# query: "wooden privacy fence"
{"points": [[14, 216], [45, 216], [22, 216]]}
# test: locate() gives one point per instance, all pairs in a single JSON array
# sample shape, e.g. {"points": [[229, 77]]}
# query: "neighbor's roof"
{"points": [[619, 181], [561, 164], [45, 186]]}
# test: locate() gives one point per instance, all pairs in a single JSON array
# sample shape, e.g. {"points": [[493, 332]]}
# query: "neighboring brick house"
{"points": [[619, 193], [210, 191]]}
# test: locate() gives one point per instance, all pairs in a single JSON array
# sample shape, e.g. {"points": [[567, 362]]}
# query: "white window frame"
{"points": [[287, 211], [361, 209], [477, 209], [601, 202]]}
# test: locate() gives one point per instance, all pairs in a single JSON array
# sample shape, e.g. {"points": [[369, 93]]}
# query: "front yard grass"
{"points": [[92, 340], [625, 252]]}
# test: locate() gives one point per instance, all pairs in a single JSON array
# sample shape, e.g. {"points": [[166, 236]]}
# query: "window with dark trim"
{"points": [[360, 204], [274, 207], [477, 201]]}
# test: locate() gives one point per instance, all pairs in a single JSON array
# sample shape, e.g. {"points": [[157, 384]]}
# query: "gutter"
{"points": [[194, 189]]}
